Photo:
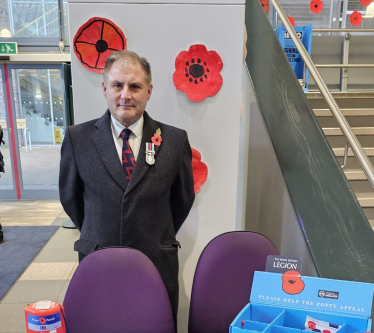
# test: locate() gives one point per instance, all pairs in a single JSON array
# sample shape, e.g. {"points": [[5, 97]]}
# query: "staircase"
{"points": [[358, 108]]}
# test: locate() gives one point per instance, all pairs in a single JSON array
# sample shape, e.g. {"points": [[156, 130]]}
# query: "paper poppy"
{"points": [[197, 72], [366, 2], [316, 6], [95, 41], [292, 21], [355, 18], [265, 4], [199, 170]]}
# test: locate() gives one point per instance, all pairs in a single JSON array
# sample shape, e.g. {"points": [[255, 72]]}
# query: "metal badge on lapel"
{"points": [[150, 153]]}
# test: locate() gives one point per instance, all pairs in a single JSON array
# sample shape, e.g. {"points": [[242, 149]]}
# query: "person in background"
{"points": [[2, 164], [126, 179]]}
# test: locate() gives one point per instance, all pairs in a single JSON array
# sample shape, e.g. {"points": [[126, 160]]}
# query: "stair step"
{"points": [[346, 112], [366, 200], [354, 174], [339, 152], [340, 94], [335, 131]]}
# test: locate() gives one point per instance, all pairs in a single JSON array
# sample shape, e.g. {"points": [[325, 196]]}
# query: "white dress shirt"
{"points": [[135, 138]]}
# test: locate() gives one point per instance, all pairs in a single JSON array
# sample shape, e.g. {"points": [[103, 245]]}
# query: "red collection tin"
{"points": [[45, 316]]}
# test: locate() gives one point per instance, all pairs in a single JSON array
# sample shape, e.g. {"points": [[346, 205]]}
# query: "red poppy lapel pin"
{"points": [[316, 6], [197, 72], [156, 138], [150, 147], [355, 18], [95, 41]]}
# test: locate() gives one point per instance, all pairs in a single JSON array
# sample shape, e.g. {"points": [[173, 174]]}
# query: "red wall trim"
{"points": [[14, 131]]}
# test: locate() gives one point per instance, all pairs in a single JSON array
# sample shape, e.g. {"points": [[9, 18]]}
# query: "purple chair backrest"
{"points": [[117, 290], [223, 279]]}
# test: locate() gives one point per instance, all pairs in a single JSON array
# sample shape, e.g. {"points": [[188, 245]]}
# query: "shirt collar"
{"points": [[136, 128]]}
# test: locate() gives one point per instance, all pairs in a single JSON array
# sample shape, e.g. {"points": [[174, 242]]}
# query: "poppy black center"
{"points": [[196, 70], [101, 46]]}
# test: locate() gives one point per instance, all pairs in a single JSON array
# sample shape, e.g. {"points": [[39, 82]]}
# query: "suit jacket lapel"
{"points": [[103, 140], [141, 166]]}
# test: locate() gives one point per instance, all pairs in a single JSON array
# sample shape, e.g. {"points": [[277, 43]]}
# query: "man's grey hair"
{"points": [[130, 57]]}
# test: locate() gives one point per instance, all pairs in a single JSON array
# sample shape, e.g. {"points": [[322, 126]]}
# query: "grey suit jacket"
{"points": [[145, 212]]}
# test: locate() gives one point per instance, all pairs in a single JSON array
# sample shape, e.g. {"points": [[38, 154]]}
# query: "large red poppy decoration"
{"points": [[316, 6], [199, 170], [366, 2], [355, 18], [197, 72], [95, 41]]}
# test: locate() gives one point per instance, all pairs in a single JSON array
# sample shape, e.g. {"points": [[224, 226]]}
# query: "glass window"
{"points": [[38, 102], [66, 21], [367, 15], [32, 18], [300, 11]]}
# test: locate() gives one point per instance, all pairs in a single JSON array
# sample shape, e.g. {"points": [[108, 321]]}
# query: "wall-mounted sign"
{"points": [[8, 48], [21, 123]]}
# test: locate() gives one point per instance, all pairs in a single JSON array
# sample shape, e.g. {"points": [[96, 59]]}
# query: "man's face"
{"points": [[126, 92]]}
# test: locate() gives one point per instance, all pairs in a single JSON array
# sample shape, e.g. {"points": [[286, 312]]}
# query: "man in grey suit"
{"points": [[132, 192]]}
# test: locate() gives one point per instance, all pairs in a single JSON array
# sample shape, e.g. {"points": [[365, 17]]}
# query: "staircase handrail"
{"points": [[343, 123]]}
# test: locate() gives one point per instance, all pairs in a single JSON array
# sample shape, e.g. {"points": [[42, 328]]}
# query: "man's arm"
{"points": [[182, 192], [70, 184]]}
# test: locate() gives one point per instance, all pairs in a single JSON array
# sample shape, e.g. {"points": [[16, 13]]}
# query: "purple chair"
{"points": [[117, 290], [223, 279]]}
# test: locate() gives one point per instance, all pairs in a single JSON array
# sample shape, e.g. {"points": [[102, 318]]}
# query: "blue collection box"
{"points": [[280, 304]]}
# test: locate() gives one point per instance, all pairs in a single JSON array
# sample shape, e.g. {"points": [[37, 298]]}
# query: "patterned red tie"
{"points": [[128, 160]]}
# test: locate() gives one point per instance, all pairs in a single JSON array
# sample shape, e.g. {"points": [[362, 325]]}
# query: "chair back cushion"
{"points": [[223, 279], [117, 290]]}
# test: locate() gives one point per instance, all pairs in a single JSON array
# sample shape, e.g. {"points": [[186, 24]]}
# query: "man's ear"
{"points": [[103, 86], [150, 88]]}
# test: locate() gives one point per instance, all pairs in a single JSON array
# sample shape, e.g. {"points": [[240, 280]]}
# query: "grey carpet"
{"points": [[21, 245]]}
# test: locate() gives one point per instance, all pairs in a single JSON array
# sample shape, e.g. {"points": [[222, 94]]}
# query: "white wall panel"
{"points": [[159, 32]]}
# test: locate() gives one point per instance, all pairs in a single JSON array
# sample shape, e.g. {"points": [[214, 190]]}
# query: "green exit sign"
{"points": [[8, 48]]}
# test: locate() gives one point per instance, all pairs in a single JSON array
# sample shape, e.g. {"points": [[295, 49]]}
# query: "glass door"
{"points": [[38, 111], [7, 180]]}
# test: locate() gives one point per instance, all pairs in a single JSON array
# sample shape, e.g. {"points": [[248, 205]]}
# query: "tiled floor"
{"points": [[39, 167], [49, 274]]}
